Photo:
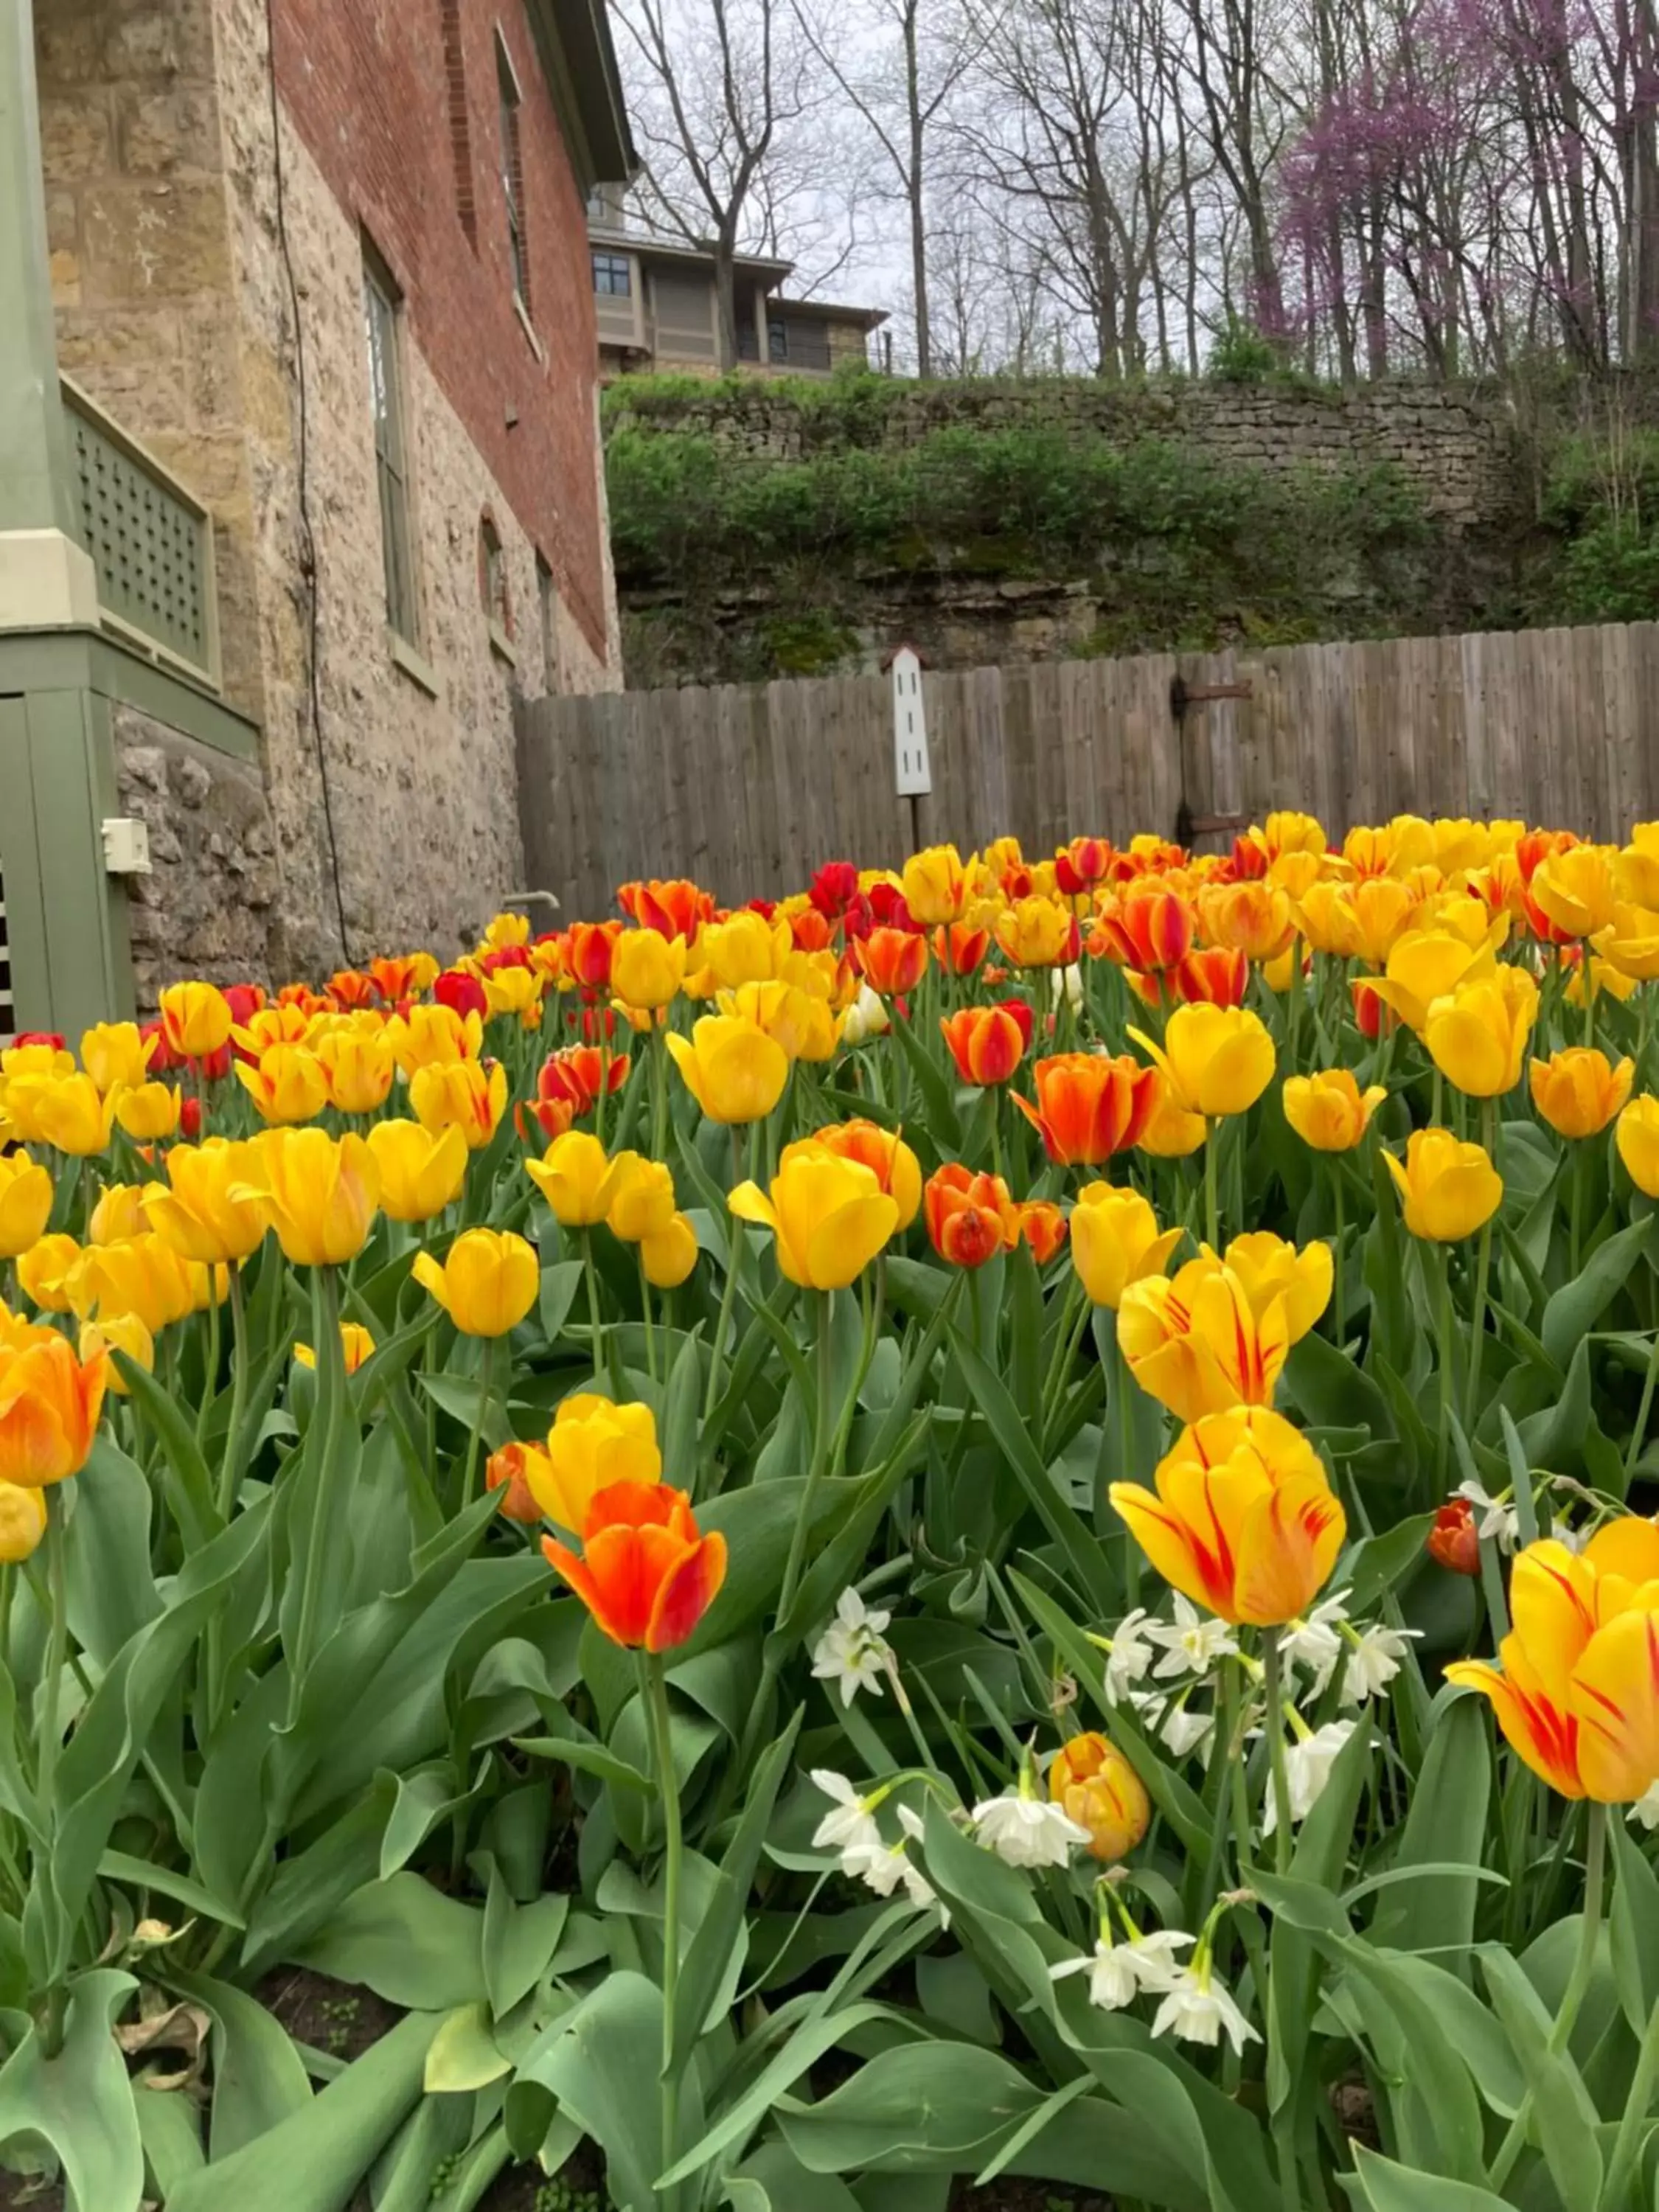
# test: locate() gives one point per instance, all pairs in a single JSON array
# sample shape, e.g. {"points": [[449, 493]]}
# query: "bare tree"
{"points": [[716, 86]]}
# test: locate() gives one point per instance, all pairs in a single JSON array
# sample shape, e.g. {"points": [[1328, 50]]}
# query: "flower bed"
{"points": [[986, 1523]]}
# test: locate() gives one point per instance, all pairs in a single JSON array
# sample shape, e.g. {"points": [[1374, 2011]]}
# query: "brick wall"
{"points": [[366, 85]]}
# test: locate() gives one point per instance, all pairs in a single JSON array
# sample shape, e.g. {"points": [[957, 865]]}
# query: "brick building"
{"points": [[310, 356]]}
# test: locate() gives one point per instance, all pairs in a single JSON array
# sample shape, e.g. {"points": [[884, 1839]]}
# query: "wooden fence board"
{"points": [[749, 788]]}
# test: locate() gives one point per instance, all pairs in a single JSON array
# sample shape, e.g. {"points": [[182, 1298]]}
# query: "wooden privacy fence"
{"points": [[749, 787]]}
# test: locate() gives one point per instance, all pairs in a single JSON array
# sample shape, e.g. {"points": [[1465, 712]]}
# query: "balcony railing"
{"points": [[150, 540]]}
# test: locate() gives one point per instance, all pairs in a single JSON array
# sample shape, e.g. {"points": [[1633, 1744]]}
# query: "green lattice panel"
{"points": [[146, 544]]}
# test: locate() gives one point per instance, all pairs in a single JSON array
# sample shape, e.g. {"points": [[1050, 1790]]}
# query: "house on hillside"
{"points": [[654, 305], [300, 481]]}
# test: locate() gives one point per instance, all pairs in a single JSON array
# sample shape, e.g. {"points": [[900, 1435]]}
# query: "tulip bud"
{"points": [[1094, 1784]]}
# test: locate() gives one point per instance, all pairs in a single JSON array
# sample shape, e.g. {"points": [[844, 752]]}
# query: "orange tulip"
{"points": [[505, 1472], [1044, 1228], [986, 1042], [50, 1402], [646, 1574], [1254, 918], [959, 946], [1089, 1106], [886, 1153], [1215, 975], [892, 961], [677, 909], [1095, 1785], [971, 1218], [1146, 930], [1578, 1090], [1578, 1693], [1243, 1521]]}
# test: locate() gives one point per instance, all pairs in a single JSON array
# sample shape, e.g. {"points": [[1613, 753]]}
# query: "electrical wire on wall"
{"points": [[308, 536]]}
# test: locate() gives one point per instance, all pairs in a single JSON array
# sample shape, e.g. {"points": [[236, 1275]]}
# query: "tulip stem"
{"points": [[1341, 1284], [820, 1457], [644, 1310], [668, 1789], [52, 2035], [1638, 1434], [486, 1375], [1632, 2126], [1482, 1277], [322, 1442], [1578, 1982], [1273, 1726], [729, 1290], [659, 1091], [1212, 1205], [213, 1655], [210, 1370], [1447, 1382]]}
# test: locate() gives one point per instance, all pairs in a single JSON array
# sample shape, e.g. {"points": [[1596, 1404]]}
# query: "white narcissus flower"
{"points": [[866, 1017], [1498, 1518], [1373, 1661], [1197, 2009], [1027, 1833], [1194, 1644], [850, 1826], [1182, 1732], [919, 1891], [1130, 1656], [1152, 1955], [1646, 1808], [1112, 1982], [1314, 1643], [852, 1652], [1308, 1765], [1067, 983]]}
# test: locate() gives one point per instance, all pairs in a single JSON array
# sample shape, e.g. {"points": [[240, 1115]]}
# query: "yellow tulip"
{"points": [[646, 969], [1578, 1693], [1286, 831], [195, 1019], [800, 1020], [1478, 1036], [1328, 1110], [829, 1216], [25, 1203], [434, 1037], [1629, 942], [22, 1523], [128, 1333], [641, 1199], [46, 1272], [143, 1276], [1115, 1241], [883, 1151], [1577, 889], [935, 886], [1578, 1090], [318, 1193], [577, 1178], [199, 1216], [1094, 1784], [1197, 1345], [150, 1112], [1637, 1139], [1272, 1269], [592, 1446], [358, 1067], [1449, 1189], [1637, 868], [1035, 932], [1254, 918], [421, 1170], [287, 1085], [467, 1094], [1243, 1521], [115, 1054], [515, 991], [486, 1284], [50, 1402], [355, 1343], [1217, 1061], [745, 948], [64, 1111], [1173, 1132], [670, 1254], [734, 1071], [118, 1215], [1426, 965]]}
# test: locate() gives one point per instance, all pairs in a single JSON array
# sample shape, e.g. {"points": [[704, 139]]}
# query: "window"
{"points": [[548, 599], [513, 177], [492, 577], [612, 276], [383, 322]]}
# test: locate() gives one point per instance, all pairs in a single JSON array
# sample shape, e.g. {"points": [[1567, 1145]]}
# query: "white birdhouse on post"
{"points": [[911, 770]]}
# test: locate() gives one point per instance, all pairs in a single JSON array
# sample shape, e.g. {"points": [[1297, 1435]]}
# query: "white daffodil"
{"points": [[866, 1017], [1192, 1643], [1197, 2009], [1498, 1518], [1112, 1980], [878, 1864], [1315, 1643], [1026, 1832], [1646, 1808], [1374, 1658], [1308, 1765], [1067, 983], [850, 1825], [919, 1891], [1151, 1957], [852, 1652], [1129, 1655], [1182, 1732]]}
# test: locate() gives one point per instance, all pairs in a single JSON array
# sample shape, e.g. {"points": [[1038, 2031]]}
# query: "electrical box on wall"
{"points": [[126, 846]]}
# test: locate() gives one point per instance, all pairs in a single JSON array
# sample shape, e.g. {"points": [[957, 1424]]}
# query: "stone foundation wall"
{"points": [[205, 907]]}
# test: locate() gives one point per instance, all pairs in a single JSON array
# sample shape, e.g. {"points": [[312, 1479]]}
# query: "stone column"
{"points": [[46, 578]]}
